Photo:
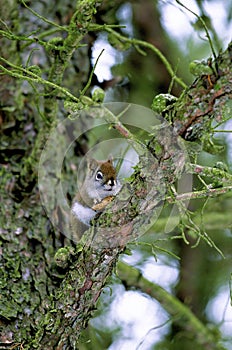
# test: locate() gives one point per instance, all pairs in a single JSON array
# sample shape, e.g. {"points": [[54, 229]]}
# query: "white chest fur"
{"points": [[82, 213]]}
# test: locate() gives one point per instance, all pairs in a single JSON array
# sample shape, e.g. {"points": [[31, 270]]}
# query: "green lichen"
{"points": [[199, 68], [161, 102], [63, 256], [98, 95]]}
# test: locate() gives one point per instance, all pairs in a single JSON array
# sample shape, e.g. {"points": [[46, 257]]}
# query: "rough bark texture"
{"points": [[208, 98]]}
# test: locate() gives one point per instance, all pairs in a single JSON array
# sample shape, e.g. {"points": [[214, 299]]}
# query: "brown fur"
{"points": [[83, 198]]}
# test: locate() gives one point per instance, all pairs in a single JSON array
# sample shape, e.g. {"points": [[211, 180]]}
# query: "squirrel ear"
{"points": [[92, 163], [110, 159]]}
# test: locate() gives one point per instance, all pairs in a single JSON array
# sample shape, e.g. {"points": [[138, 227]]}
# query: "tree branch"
{"points": [[181, 313], [211, 192], [27, 74], [147, 45]]}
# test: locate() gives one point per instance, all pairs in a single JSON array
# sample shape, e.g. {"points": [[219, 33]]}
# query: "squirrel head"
{"points": [[101, 179]]}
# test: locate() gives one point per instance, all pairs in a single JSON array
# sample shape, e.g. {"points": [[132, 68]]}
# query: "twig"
{"points": [[207, 171], [204, 25], [114, 120], [91, 75], [142, 43], [30, 76], [213, 192], [43, 18]]}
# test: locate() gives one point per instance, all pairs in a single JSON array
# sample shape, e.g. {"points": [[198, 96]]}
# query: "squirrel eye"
{"points": [[99, 175]]}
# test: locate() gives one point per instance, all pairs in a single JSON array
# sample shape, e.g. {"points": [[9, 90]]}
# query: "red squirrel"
{"points": [[99, 188]]}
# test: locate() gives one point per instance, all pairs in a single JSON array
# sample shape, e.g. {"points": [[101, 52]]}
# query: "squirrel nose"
{"points": [[111, 182]]}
